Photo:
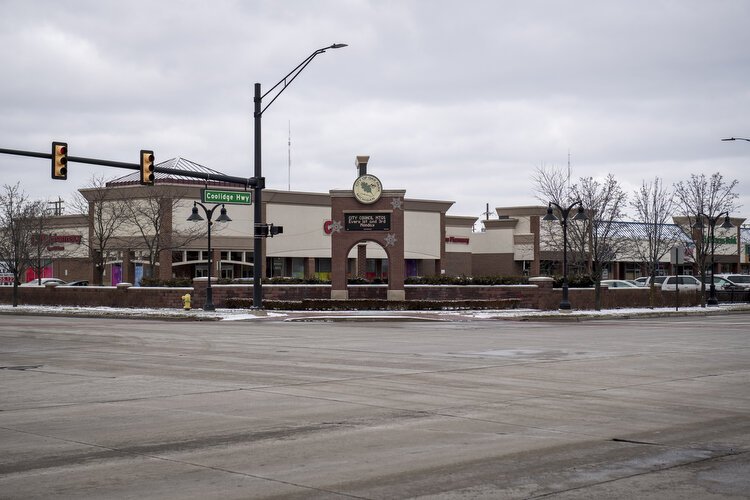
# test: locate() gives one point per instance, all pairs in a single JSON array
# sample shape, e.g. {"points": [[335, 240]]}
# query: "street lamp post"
{"points": [[712, 300], [195, 217], [258, 111], [563, 220]]}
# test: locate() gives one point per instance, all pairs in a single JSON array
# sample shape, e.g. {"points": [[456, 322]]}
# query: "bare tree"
{"points": [[18, 215], [151, 217], [605, 202], [40, 256], [653, 205], [699, 198], [107, 215], [551, 184]]}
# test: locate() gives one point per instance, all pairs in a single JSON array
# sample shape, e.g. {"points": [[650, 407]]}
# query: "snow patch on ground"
{"points": [[453, 315]]}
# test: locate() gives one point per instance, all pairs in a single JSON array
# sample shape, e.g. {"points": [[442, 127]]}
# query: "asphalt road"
{"points": [[112, 408]]}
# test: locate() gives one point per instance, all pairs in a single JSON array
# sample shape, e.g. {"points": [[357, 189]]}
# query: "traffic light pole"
{"points": [[242, 181], [273, 93], [257, 205], [260, 230]]}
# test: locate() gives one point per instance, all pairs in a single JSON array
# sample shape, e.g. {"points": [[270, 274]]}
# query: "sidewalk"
{"points": [[456, 316]]}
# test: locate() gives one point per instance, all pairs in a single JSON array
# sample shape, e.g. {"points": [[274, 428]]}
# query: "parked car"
{"points": [[35, 282], [658, 280], [741, 280], [77, 283], [641, 281], [722, 283], [618, 284], [684, 281]]}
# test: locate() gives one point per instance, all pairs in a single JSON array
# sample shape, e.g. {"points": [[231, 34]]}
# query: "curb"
{"points": [[369, 316]]}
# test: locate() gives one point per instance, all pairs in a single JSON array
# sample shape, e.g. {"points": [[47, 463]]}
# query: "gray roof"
{"points": [[178, 163], [639, 230]]}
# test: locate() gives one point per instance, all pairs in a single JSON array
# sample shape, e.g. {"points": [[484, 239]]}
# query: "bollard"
{"points": [[186, 301]]}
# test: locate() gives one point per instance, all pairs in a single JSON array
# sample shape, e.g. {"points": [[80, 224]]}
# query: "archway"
{"points": [[354, 222]]}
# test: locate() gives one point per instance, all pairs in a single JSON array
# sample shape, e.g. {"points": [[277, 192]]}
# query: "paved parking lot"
{"points": [[115, 408]]}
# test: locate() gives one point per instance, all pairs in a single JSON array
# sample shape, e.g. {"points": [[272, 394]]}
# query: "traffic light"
{"points": [[59, 160], [268, 230], [274, 230], [147, 167]]}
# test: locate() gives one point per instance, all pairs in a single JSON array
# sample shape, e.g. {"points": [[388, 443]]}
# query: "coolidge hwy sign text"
{"points": [[231, 197]]}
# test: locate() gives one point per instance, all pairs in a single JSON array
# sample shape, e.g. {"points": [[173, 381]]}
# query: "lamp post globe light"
{"points": [[727, 224], [258, 111], [563, 220], [196, 217]]}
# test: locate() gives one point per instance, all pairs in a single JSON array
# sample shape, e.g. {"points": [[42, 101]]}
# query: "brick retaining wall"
{"points": [[96, 296], [538, 295]]}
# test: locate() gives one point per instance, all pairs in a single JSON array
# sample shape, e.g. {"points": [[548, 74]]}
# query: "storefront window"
{"points": [[322, 265], [323, 269], [632, 270], [227, 272], [277, 266], [547, 268], [412, 267], [298, 267]]}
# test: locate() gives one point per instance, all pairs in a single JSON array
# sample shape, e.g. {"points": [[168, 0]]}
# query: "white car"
{"points": [[741, 280], [684, 281], [658, 280], [35, 282], [618, 284], [722, 284], [641, 281]]}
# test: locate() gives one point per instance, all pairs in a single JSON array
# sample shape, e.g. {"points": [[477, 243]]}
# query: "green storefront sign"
{"points": [[229, 197]]}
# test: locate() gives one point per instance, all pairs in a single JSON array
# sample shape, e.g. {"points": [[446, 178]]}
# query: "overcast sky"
{"points": [[452, 100]]}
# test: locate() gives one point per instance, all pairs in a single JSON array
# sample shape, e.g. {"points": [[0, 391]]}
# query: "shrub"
{"points": [[284, 280], [174, 282], [575, 281], [467, 280], [373, 304]]}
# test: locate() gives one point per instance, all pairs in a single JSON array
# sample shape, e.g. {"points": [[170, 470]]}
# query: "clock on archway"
{"points": [[367, 189]]}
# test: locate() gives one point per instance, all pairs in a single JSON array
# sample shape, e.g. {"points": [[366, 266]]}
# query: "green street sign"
{"points": [[230, 197]]}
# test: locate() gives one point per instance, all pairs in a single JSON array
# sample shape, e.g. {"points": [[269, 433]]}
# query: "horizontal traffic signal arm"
{"points": [[248, 182]]}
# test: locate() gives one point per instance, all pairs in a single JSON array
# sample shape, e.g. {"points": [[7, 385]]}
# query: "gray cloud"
{"points": [[451, 103]]}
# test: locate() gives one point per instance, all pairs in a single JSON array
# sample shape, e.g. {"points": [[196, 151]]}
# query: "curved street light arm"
{"points": [[289, 77], [258, 217], [565, 212], [736, 139]]}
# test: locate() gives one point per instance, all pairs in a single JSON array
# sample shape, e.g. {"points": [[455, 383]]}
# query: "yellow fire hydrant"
{"points": [[186, 301]]}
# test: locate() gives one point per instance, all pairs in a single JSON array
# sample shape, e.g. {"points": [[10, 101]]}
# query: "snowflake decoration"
{"points": [[397, 203], [336, 226], [390, 240]]}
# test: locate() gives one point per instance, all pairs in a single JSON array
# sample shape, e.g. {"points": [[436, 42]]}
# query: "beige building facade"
{"points": [[515, 242]]}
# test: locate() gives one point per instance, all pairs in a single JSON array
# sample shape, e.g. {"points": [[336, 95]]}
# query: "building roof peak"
{"points": [[178, 163]]}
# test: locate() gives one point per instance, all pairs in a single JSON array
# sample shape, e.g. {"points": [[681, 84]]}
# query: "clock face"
{"points": [[367, 189]]}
